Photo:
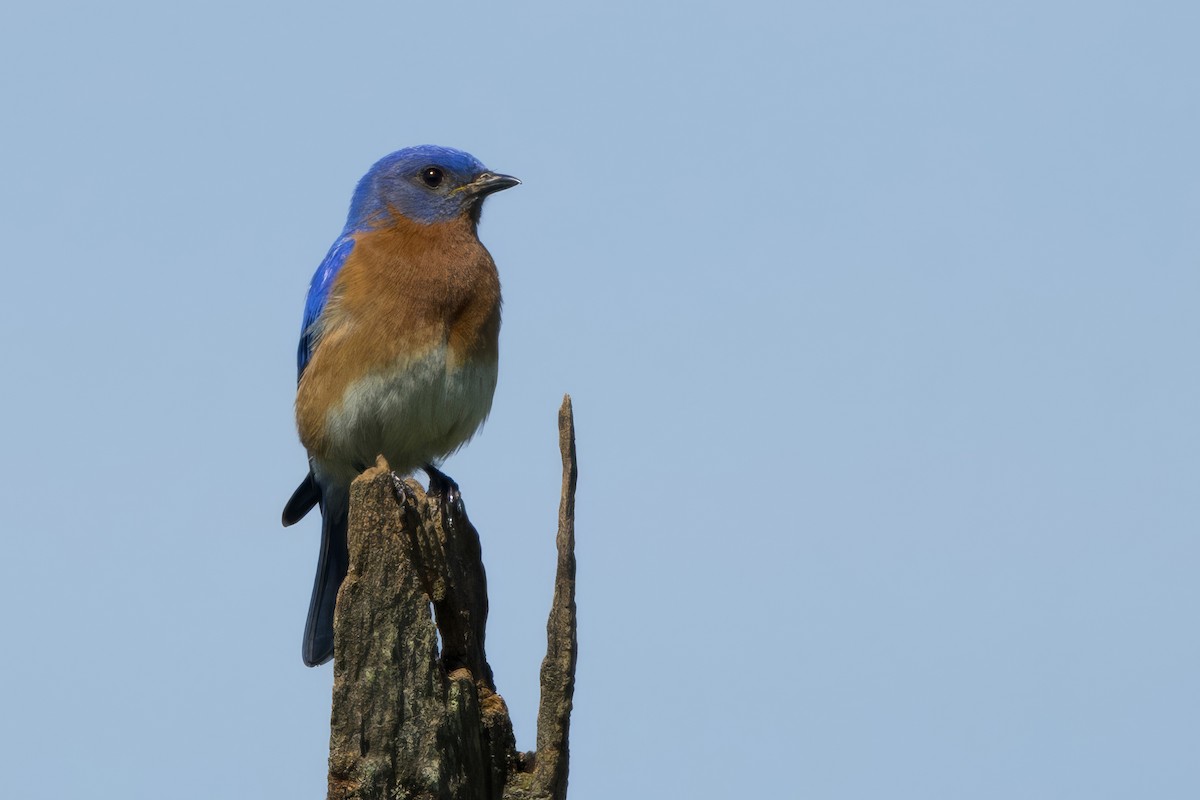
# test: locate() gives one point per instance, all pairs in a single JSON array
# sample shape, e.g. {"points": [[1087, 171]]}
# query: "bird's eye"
{"points": [[432, 177]]}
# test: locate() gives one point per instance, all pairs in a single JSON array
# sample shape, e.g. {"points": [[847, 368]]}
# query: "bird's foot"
{"points": [[445, 488], [400, 488]]}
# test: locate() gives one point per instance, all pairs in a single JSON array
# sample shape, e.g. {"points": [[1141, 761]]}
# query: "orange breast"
{"points": [[404, 292]]}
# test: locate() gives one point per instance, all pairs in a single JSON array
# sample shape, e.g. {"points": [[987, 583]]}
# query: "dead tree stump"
{"points": [[410, 721]]}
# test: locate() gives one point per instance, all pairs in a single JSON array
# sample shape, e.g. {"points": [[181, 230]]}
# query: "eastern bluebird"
{"points": [[399, 345]]}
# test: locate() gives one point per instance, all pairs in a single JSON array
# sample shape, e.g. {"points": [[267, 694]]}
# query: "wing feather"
{"points": [[318, 296]]}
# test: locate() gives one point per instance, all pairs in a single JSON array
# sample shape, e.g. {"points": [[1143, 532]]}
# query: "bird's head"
{"points": [[425, 184]]}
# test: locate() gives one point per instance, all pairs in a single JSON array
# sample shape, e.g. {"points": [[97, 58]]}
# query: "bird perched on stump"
{"points": [[399, 345]]}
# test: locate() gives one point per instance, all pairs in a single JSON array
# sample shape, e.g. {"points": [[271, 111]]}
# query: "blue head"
{"points": [[426, 184]]}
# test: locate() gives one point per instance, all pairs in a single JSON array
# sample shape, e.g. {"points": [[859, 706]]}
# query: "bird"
{"points": [[399, 346]]}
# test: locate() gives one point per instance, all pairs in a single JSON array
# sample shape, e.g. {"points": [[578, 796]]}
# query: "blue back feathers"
{"points": [[318, 293]]}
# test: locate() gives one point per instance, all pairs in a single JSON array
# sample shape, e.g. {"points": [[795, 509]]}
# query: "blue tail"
{"points": [[331, 571], [331, 565]]}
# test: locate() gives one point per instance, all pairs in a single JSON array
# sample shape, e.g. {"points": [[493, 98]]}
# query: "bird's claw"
{"points": [[400, 488]]}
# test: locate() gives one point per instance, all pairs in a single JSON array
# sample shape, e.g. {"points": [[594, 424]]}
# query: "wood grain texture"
{"points": [[410, 721]]}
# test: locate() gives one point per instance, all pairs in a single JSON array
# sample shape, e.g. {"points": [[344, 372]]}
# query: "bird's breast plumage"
{"points": [[406, 349]]}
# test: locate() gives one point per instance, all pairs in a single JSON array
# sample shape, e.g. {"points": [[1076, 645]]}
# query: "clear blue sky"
{"points": [[881, 324]]}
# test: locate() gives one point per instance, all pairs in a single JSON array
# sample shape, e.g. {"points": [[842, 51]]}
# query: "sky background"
{"points": [[880, 321]]}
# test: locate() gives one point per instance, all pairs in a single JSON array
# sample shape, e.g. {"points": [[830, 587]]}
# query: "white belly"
{"points": [[419, 412]]}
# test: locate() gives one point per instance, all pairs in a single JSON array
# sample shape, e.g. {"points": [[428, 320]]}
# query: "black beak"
{"points": [[490, 182]]}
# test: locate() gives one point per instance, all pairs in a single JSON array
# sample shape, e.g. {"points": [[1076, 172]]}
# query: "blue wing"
{"points": [[318, 295]]}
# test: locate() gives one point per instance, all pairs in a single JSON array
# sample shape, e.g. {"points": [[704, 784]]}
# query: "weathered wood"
{"points": [[410, 722], [562, 645]]}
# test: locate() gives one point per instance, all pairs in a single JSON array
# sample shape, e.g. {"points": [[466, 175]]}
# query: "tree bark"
{"points": [[410, 721]]}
